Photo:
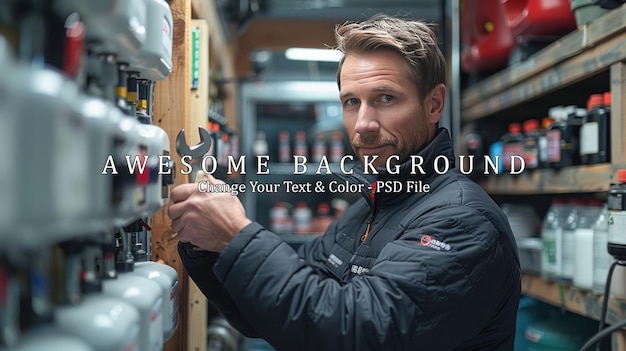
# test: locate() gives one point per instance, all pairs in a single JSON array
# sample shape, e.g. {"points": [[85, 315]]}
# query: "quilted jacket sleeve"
{"points": [[198, 265]]}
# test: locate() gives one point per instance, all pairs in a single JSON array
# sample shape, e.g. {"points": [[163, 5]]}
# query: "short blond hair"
{"points": [[415, 41]]}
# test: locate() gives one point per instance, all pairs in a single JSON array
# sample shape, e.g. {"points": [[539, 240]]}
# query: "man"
{"points": [[431, 270]]}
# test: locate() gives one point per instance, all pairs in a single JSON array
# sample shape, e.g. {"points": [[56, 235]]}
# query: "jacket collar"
{"points": [[438, 151]]}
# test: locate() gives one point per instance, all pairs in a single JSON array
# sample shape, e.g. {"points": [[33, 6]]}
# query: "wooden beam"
{"points": [[199, 105], [618, 111], [221, 55], [207, 10], [200, 95], [282, 34], [171, 112]]}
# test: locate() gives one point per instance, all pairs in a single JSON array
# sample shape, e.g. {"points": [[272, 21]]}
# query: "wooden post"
{"points": [[196, 332], [171, 112]]}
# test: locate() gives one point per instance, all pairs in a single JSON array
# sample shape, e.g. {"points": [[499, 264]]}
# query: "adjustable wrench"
{"points": [[197, 152]]}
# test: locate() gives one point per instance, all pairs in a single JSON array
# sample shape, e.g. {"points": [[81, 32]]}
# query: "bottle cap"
{"points": [[606, 97], [595, 100], [621, 175], [530, 125], [515, 128], [546, 122], [323, 208]]}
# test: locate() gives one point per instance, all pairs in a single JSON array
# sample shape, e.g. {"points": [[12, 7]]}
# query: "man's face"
{"points": [[382, 112]]}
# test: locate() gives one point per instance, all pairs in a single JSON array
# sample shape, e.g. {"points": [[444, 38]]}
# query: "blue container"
{"points": [[559, 332], [529, 311]]}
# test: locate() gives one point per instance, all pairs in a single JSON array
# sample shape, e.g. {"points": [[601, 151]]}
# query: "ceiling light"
{"points": [[305, 54]]}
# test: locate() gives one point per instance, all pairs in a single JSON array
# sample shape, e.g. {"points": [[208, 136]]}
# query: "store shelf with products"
{"points": [[587, 61], [293, 125], [584, 302], [573, 179], [589, 50]]}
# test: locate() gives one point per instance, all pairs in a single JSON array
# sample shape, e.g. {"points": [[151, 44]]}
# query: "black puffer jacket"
{"points": [[438, 271]]}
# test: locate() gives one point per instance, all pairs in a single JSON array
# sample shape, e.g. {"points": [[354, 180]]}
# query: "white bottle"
{"points": [[552, 236], [302, 217], [280, 220], [144, 294], [154, 60], [569, 242], [260, 147], [601, 258], [103, 322], [167, 278], [50, 339], [583, 245]]}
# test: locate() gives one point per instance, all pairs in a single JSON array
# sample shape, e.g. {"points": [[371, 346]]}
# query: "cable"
{"points": [[605, 303], [604, 333], [605, 300]]}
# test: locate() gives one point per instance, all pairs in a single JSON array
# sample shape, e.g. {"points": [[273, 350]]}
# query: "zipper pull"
{"points": [[369, 223], [367, 231]]}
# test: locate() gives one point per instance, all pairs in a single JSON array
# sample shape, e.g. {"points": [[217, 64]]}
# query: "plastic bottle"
{"points": [[104, 322], [617, 232], [302, 217], [531, 143], [601, 258], [552, 236], [27, 325], [496, 156], [140, 292], [284, 147], [260, 147], [280, 221], [300, 147], [473, 143], [512, 145], [583, 251], [542, 142], [569, 242], [563, 137], [165, 276], [336, 147], [322, 219], [575, 118], [590, 152], [319, 148]]}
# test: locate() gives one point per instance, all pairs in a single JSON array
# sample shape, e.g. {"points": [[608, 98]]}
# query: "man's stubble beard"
{"points": [[418, 138]]}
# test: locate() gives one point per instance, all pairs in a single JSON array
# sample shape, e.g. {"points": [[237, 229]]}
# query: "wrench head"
{"points": [[197, 151]]}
